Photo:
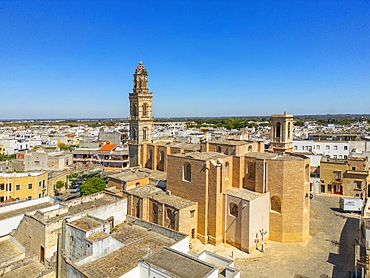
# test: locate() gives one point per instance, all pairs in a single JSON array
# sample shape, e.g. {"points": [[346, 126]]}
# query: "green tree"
{"points": [[59, 184], [7, 157], [64, 147], [92, 185]]}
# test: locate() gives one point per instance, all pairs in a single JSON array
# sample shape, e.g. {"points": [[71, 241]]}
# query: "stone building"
{"points": [[152, 204], [135, 177], [39, 225], [45, 225], [244, 195], [348, 177]]}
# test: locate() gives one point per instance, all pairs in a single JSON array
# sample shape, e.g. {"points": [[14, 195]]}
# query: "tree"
{"points": [[59, 184], [92, 185]]}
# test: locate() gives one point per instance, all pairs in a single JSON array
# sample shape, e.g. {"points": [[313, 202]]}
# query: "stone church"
{"points": [[235, 191]]}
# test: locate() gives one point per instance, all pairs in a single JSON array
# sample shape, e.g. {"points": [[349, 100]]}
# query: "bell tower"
{"points": [[282, 133], [141, 119]]}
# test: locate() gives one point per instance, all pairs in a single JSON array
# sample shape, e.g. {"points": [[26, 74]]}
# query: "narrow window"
{"points": [[278, 130], [161, 156], [251, 170], [186, 171], [227, 170], [145, 133], [145, 110]]}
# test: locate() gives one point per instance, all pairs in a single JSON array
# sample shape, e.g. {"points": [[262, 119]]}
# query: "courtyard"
{"points": [[329, 251]]}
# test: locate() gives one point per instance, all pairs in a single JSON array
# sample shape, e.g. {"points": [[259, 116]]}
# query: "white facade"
{"points": [[332, 149]]}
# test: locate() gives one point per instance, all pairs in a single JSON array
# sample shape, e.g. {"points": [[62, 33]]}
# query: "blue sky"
{"points": [[75, 59]]}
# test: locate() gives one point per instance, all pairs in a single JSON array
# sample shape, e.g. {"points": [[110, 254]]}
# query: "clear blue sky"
{"points": [[75, 59]]}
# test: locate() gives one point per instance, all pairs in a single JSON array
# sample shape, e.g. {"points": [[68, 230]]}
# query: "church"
{"points": [[227, 191]]}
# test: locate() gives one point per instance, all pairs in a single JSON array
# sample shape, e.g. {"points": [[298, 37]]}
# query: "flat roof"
{"points": [[16, 212], [157, 194], [8, 250], [179, 145], [231, 142], [139, 173], [29, 268], [275, 156], [97, 237], [21, 175], [244, 194], [78, 208], [177, 264], [137, 241], [86, 223], [202, 155]]}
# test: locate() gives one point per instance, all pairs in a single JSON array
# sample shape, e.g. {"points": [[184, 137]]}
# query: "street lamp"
{"points": [[263, 232]]}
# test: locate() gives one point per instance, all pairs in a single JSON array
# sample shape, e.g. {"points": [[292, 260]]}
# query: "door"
{"points": [[338, 189]]}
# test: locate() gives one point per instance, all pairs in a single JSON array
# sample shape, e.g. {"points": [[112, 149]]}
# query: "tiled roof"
{"points": [[108, 147]]}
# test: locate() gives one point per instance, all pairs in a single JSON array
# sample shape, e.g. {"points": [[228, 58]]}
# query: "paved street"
{"points": [[328, 251]]}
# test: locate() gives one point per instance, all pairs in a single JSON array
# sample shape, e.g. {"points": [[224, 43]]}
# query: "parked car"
{"points": [[75, 189]]}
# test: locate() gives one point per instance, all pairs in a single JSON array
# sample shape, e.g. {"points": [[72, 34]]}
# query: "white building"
{"points": [[332, 149]]}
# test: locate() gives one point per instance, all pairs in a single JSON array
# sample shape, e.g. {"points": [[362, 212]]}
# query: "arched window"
{"points": [[145, 110], [233, 209], [150, 155], [219, 149], [161, 156], [249, 149], [187, 171], [289, 130], [145, 133], [276, 204], [278, 130]]}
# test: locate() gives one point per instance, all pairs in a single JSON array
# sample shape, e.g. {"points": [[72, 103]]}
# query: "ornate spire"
{"points": [[140, 79]]}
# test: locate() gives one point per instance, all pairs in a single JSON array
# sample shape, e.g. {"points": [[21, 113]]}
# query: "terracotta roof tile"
{"points": [[108, 147]]}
